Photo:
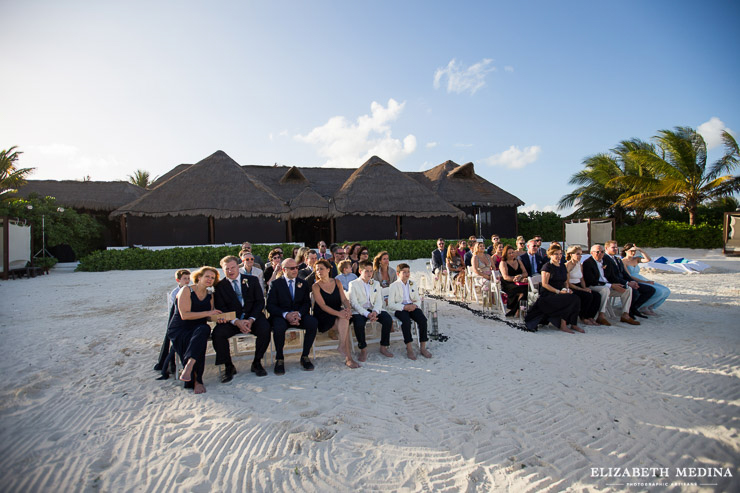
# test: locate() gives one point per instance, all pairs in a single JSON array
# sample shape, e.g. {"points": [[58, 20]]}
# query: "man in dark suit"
{"points": [[439, 260], [532, 259], [538, 239], [640, 292], [288, 303], [242, 294], [311, 259], [599, 276]]}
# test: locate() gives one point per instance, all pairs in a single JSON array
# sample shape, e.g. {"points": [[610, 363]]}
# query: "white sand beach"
{"points": [[496, 409]]}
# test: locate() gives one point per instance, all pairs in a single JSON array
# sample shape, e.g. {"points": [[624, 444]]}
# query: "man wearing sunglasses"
{"points": [[288, 303]]}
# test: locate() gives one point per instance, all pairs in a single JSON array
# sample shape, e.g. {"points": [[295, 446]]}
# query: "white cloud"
{"points": [[430, 145], [67, 162], [508, 68], [712, 132], [461, 79], [515, 158], [463, 145], [535, 207], [346, 144]]}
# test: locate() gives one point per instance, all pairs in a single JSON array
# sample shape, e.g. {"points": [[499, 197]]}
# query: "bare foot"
{"points": [[199, 388], [351, 363], [333, 335], [425, 353], [564, 328], [363, 354], [386, 352], [410, 354], [577, 329], [186, 374]]}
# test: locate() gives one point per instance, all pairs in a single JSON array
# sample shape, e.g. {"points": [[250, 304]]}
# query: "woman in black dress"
{"points": [[332, 309], [556, 303], [513, 280], [188, 328]]}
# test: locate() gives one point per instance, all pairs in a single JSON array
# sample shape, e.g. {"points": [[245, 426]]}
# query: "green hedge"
{"points": [[656, 233], [172, 258]]}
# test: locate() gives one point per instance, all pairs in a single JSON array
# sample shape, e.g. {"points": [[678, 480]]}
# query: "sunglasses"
{"points": [[291, 268]]}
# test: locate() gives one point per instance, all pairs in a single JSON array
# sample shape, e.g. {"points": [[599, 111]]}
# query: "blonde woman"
{"points": [[481, 265], [382, 271], [188, 328], [590, 300]]}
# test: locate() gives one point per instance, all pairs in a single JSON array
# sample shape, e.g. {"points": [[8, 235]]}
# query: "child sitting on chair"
{"points": [[166, 363]]}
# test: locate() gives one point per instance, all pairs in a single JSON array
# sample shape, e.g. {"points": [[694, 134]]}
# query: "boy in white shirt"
{"points": [[403, 302], [366, 298]]}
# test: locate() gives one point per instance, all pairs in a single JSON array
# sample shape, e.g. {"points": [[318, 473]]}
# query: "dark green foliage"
{"points": [[547, 224], [79, 231], [172, 258], [657, 233]]}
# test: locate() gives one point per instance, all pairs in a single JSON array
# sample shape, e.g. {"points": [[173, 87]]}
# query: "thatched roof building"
{"points": [[94, 196], [216, 186]]}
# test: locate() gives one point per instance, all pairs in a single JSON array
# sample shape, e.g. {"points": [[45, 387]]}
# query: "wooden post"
{"points": [[6, 247], [211, 230], [398, 227], [332, 231], [290, 230], [124, 232]]}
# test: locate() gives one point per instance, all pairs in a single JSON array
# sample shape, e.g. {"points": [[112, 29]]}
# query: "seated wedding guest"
{"points": [[468, 257], [590, 300], [301, 257], [455, 266], [632, 262], [595, 276], [188, 328], [337, 255], [462, 249], [353, 254], [403, 303], [310, 261], [439, 256], [364, 254], [294, 254], [540, 250], [247, 247], [288, 303], [532, 260], [366, 298], [323, 253], [347, 276], [382, 272], [166, 362], [482, 267], [556, 303], [491, 250], [521, 245], [641, 292], [241, 294], [249, 268], [274, 268], [498, 255], [332, 310], [513, 280]]}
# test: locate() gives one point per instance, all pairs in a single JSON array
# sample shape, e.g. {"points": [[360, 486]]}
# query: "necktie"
{"points": [[534, 264], [292, 292], [238, 291]]}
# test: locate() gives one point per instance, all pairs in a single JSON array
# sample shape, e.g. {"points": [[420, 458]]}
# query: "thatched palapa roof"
{"points": [[378, 189], [174, 171], [91, 195], [216, 186], [309, 203], [460, 185]]}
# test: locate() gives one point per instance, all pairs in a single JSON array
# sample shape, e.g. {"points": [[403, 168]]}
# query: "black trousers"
{"points": [[222, 332], [193, 344], [406, 318], [309, 324], [639, 296], [359, 322], [590, 303]]}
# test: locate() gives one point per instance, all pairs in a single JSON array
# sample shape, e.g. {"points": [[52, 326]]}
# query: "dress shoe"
{"points": [[279, 367], [628, 320], [602, 320], [258, 369], [228, 374], [306, 363]]}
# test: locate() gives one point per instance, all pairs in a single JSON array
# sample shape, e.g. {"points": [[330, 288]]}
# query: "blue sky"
{"points": [[525, 90]]}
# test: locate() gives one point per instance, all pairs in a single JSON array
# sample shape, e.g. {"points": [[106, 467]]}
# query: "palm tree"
{"points": [[600, 191], [679, 173], [11, 178], [141, 178]]}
